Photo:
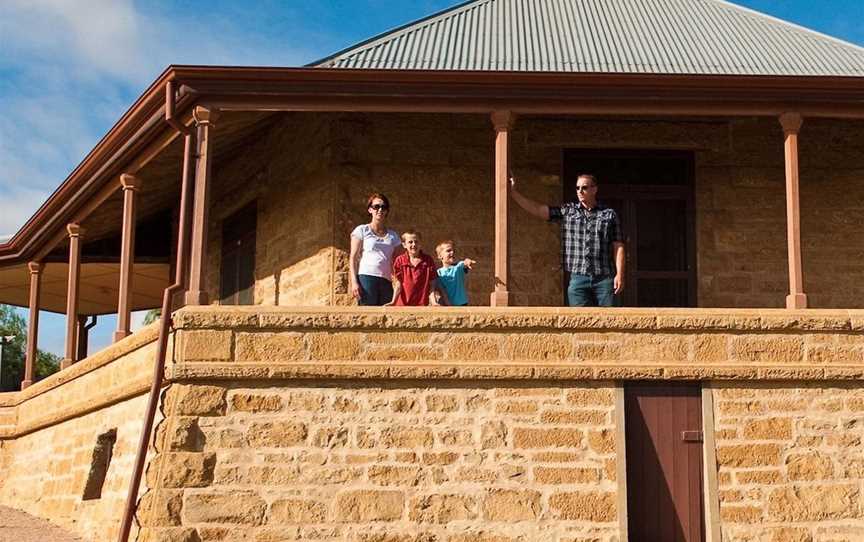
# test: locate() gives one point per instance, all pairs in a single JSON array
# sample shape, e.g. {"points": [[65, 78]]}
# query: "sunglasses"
{"points": [[379, 207], [584, 188]]}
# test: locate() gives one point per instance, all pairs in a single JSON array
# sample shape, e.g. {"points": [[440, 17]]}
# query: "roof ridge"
{"points": [[428, 19], [789, 24]]}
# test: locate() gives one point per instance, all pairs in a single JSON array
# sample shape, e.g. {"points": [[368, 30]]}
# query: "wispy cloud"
{"points": [[68, 71]]}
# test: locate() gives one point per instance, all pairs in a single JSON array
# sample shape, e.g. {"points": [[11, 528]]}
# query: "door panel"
{"points": [[664, 463]]}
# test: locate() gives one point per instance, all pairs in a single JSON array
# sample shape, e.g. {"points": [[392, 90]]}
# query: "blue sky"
{"points": [[70, 68]]}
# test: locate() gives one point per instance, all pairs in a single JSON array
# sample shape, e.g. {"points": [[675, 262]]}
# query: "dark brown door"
{"points": [[238, 257], [664, 463], [652, 191]]}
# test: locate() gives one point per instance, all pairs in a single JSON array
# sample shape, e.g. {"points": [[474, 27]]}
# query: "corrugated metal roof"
{"points": [[608, 36]]}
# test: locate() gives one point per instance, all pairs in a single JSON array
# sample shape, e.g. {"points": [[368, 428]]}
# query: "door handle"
{"points": [[691, 436]]}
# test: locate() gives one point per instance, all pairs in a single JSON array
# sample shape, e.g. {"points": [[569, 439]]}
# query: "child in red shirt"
{"points": [[415, 273]]}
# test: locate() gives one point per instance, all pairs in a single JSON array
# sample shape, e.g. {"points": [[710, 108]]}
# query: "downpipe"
{"points": [[165, 320]]}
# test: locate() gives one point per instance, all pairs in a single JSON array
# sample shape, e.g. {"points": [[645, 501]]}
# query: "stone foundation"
{"points": [[388, 425]]}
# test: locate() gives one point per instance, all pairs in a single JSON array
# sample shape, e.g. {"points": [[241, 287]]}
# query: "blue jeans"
{"points": [[590, 291], [374, 291]]}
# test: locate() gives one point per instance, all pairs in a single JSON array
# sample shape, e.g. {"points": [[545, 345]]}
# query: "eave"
{"points": [[141, 130]]}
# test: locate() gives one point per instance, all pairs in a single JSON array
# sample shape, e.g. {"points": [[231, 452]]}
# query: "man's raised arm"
{"points": [[532, 207]]}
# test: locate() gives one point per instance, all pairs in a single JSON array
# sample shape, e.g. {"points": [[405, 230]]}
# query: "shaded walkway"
{"points": [[18, 526]]}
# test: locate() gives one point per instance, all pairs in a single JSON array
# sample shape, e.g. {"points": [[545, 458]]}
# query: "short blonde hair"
{"points": [[442, 244], [415, 233]]}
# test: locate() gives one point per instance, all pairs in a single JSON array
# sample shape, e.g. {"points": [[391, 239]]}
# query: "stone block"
{"points": [[264, 347], [493, 435], [406, 437], [814, 503], [442, 508], [741, 514], [180, 433], [255, 402], [602, 441], [566, 475], [526, 437], [388, 475], [538, 347], [206, 345], [473, 347], [809, 466], [575, 417], [160, 508], [442, 403], [511, 505], [224, 507], [195, 400], [588, 397], [362, 506], [517, 407], [781, 349], [185, 469], [598, 507], [440, 458], [597, 352], [656, 348], [769, 429], [331, 437], [711, 348], [749, 455], [276, 434], [296, 511], [343, 346]]}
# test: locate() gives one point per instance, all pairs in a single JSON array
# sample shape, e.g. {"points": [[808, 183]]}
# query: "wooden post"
{"points": [[131, 185], [796, 299], [33, 325], [503, 123], [76, 232], [204, 120]]}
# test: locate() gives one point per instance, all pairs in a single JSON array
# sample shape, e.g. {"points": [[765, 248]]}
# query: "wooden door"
{"points": [[652, 192], [237, 280], [663, 424]]}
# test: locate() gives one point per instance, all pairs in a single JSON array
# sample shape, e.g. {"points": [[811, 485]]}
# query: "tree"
{"points": [[12, 371], [152, 315]]}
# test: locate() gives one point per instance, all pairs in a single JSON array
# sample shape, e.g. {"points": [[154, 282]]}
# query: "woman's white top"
{"points": [[377, 256]]}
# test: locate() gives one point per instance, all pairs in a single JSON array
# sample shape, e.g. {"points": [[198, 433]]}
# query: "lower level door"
{"points": [[664, 463]]}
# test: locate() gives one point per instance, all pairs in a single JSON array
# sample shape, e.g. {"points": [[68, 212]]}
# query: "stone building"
{"points": [[722, 401]]}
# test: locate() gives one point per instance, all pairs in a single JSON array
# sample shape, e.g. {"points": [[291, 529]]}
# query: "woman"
{"points": [[371, 259]]}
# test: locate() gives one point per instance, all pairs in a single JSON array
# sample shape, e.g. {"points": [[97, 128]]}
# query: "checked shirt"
{"points": [[587, 237]]}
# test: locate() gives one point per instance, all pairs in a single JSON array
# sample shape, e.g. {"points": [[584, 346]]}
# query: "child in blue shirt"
{"points": [[451, 274]]}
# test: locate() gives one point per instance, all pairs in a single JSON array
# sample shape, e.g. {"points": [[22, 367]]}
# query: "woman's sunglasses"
{"points": [[379, 207]]}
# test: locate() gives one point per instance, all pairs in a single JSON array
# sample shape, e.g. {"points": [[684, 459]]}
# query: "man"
{"points": [[591, 237]]}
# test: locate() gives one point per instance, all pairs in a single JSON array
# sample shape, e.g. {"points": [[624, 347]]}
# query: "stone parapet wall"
{"points": [[46, 453], [540, 343]]}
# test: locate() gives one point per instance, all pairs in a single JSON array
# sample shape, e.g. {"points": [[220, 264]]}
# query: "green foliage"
{"points": [[12, 371], [152, 315]]}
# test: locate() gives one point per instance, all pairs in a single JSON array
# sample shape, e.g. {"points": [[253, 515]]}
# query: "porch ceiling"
{"points": [[161, 177], [99, 286]]}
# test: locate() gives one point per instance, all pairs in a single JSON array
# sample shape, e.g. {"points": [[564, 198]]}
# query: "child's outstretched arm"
{"points": [[468, 263]]}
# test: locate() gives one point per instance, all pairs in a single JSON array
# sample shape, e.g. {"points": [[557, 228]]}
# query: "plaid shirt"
{"points": [[587, 237]]}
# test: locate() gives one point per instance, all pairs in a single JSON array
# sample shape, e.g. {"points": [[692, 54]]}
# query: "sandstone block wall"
{"points": [[311, 174], [385, 461], [284, 169], [790, 461], [46, 455]]}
